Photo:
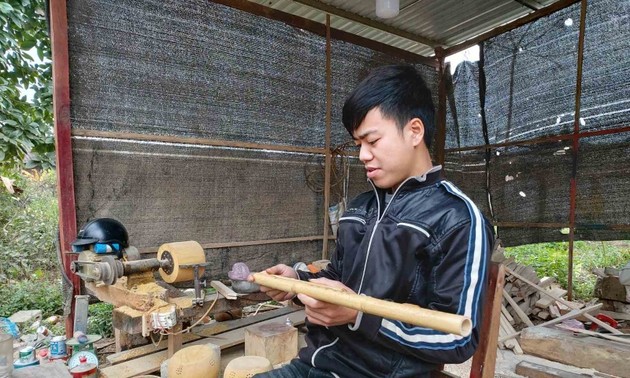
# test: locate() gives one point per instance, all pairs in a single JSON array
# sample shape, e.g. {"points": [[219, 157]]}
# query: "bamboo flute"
{"points": [[405, 312]]}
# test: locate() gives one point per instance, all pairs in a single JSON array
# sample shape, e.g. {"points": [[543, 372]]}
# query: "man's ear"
{"points": [[416, 127]]}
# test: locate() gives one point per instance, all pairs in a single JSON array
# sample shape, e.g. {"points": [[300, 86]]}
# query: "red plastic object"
{"points": [[606, 319]]}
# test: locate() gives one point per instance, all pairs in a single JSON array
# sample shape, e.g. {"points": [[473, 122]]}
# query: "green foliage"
{"points": [[25, 125], [100, 319], [28, 227], [551, 259], [29, 294]]}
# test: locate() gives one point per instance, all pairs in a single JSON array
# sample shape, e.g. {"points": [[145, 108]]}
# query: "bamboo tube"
{"points": [[405, 312]]}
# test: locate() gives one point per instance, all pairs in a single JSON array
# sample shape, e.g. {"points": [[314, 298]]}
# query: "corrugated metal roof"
{"points": [[447, 22]]}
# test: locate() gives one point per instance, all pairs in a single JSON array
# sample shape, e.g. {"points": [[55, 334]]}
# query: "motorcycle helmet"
{"points": [[103, 231]]}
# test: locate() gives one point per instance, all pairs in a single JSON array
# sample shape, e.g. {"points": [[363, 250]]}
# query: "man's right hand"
{"points": [[277, 270]]}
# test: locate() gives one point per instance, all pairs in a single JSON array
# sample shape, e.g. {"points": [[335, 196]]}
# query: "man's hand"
{"points": [[277, 270], [324, 313]]}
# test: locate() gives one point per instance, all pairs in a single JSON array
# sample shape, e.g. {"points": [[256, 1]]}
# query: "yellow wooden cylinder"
{"points": [[197, 361], [405, 312], [247, 367], [181, 253]]}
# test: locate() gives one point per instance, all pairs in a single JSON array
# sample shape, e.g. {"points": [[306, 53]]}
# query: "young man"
{"points": [[415, 238]]}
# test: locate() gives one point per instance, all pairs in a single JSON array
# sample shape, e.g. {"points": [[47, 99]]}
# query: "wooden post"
{"points": [[576, 146], [327, 158], [440, 135], [63, 144], [484, 360], [174, 340]]}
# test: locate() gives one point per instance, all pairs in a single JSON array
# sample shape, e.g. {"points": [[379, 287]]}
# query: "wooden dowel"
{"points": [[564, 302], [405, 312]]}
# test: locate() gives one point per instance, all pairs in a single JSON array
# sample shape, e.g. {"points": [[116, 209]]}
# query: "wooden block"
{"points": [[525, 308], [553, 310], [544, 315], [545, 282], [546, 301], [536, 310], [532, 370], [277, 342], [587, 352]]}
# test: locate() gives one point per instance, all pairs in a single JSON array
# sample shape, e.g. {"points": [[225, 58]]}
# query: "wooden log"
{"points": [[277, 342], [587, 352], [533, 370], [405, 312], [567, 303]]}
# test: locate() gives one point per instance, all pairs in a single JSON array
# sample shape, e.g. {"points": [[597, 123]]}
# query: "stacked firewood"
{"points": [[524, 305]]}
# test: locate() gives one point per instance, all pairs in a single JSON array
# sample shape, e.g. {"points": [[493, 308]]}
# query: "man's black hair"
{"points": [[399, 92]]}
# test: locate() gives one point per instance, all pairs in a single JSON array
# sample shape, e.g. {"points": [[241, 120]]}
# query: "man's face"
{"points": [[387, 153]]}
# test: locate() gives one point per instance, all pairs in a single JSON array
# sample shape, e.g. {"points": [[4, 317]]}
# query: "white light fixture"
{"points": [[387, 8]]}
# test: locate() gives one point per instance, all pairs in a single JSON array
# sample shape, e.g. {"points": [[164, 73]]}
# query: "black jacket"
{"points": [[429, 246]]}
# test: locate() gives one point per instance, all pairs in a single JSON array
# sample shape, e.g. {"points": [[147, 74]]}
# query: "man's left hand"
{"points": [[327, 314]]}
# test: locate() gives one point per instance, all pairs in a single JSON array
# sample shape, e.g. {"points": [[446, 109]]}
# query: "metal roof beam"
{"points": [[369, 22], [529, 4], [546, 11]]}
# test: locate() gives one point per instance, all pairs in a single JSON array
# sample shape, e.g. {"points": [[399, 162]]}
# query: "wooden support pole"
{"points": [[327, 161], [247, 243], [544, 139], [63, 145], [405, 312], [484, 360], [196, 141], [576, 146], [440, 135]]}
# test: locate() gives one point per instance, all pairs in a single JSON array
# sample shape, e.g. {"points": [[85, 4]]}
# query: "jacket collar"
{"points": [[429, 178]]}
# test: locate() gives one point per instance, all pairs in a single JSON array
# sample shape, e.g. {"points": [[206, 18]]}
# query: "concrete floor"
{"points": [[506, 365]]}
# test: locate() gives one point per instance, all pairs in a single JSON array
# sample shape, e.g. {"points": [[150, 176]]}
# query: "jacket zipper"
{"points": [[379, 217]]}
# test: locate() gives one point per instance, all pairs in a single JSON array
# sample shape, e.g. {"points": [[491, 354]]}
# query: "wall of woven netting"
{"points": [[524, 88], [207, 72]]}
